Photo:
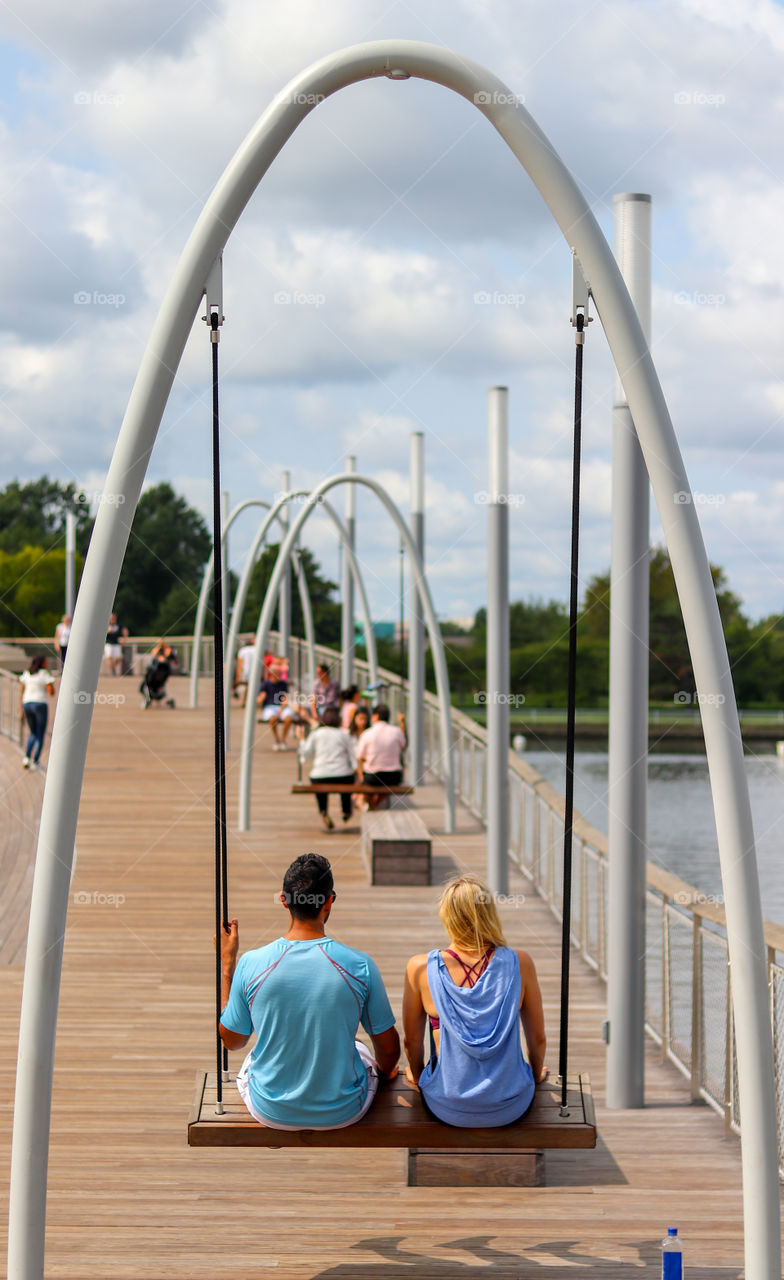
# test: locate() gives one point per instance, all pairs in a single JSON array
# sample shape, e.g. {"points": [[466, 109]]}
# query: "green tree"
{"points": [[670, 668], [326, 610], [33, 515], [163, 566], [31, 591]]}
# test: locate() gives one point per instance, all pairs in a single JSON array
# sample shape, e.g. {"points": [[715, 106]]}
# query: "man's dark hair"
{"points": [[322, 666], [307, 885], [382, 711], [330, 716]]}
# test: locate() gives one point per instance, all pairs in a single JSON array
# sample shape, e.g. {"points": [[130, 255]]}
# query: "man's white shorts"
{"points": [[283, 713], [372, 1071]]}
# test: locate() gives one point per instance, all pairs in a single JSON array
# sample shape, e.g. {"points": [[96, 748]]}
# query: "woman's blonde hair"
{"points": [[469, 914]]}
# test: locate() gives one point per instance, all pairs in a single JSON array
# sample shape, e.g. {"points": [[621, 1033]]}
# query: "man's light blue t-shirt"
{"points": [[305, 1002]]}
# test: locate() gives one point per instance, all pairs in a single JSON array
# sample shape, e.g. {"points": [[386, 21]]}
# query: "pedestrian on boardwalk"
{"points": [[113, 649], [379, 752], [349, 700], [242, 670], [333, 761], [62, 634], [475, 994], [326, 693], [273, 701], [36, 684]]}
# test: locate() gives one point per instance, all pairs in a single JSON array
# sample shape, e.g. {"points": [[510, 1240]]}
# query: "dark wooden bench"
{"points": [[396, 847], [439, 1154]]}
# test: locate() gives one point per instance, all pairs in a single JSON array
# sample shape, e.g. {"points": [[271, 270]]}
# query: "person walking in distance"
{"points": [[36, 684], [113, 649]]}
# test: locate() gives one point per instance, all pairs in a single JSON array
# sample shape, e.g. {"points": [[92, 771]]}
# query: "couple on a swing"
{"points": [[305, 995]]}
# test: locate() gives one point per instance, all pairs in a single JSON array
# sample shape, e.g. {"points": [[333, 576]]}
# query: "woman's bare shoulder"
{"points": [[526, 962], [417, 965]]}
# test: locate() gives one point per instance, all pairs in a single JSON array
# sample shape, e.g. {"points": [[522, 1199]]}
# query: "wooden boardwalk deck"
{"points": [[128, 1198]]}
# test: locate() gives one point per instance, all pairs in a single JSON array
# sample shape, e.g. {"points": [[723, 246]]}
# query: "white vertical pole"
{"points": [[70, 561], [498, 679], [284, 599], [347, 586], [416, 625], [628, 743]]}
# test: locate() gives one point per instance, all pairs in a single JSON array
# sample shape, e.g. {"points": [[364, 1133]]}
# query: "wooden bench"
{"points": [[396, 847], [438, 1154]]}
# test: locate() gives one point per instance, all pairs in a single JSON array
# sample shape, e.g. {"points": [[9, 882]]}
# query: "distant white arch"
{"points": [[315, 499]]}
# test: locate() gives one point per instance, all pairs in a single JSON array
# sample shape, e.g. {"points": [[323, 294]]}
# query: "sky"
{"points": [[356, 283]]}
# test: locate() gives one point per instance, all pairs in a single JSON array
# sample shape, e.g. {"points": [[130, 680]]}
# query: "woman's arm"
{"points": [[532, 1016], [414, 1017]]}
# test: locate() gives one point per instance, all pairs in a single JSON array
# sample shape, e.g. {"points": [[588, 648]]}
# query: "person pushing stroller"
{"points": [[153, 685]]}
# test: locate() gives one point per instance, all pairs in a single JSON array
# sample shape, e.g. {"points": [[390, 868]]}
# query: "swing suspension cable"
{"points": [[221, 851], [566, 918]]}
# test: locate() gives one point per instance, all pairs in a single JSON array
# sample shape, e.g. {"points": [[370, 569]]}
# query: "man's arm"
{"points": [[386, 1047], [230, 945]]}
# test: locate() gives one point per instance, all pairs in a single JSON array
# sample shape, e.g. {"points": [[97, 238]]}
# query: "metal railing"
{"points": [[688, 990], [11, 723]]}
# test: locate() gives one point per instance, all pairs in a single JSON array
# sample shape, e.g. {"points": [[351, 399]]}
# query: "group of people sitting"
{"points": [[305, 995], [347, 741]]}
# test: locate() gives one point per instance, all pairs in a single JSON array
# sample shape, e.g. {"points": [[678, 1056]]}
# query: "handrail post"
{"points": [[695, 1074]]}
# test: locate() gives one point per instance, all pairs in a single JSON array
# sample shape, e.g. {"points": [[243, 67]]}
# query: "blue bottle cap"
{"points": [[672, 1231]]}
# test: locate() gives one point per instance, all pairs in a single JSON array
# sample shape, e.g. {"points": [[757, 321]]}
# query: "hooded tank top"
{"points": [[481, 1077]]}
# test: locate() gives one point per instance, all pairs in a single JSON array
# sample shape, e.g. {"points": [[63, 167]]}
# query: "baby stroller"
{"points": [[153, 686]]}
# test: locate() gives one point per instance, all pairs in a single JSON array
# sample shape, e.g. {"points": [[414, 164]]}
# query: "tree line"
{"points": [[169, 544]]}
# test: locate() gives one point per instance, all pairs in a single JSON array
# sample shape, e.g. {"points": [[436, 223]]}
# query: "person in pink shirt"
{"points": [[379, 752]]}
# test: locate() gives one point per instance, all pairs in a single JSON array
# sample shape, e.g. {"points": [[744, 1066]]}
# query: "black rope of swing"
{"points": [[221, 851], [566, 928]]}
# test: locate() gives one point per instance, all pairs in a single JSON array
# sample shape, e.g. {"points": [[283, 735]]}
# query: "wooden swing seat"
{"points": [[397, 1118]]}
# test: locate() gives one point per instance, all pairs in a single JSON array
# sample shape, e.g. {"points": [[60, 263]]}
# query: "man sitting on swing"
{"points": [[304, 996]]}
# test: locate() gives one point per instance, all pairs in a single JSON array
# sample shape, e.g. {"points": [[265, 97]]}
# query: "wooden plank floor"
{"points": [[128, 1198]]}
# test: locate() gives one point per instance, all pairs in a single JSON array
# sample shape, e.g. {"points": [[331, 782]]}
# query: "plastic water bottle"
{"points": [[672, 1256]]}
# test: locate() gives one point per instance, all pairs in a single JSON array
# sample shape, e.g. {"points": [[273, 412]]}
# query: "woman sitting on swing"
{"points": [[474, 994]]}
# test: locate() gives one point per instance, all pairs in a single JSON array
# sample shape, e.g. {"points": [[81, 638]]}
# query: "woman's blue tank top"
{"points": [[481, 1077]]}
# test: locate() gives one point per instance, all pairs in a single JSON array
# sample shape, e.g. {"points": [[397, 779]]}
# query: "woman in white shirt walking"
{"points": [[36, 684], [333, 761]]}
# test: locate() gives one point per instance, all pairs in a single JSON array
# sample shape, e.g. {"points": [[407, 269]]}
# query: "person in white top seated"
{"points": [[36, 684], [333, 761], [379, 752]]}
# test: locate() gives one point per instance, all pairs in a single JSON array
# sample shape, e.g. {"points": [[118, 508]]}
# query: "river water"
{"points": [[681, 829]]}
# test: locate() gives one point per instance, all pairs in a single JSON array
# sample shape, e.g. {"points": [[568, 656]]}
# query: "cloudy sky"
{"points": [[351, 281]]}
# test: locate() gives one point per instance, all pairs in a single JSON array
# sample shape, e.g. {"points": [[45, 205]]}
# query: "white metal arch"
{"points": [[315, 499], [398, 60], [204, 597], [244, 583]]}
